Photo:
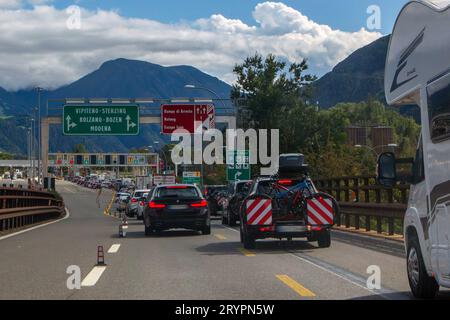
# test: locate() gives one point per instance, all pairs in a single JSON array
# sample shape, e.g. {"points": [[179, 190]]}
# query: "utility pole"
{"points": [[33, 147], [39, 90]]}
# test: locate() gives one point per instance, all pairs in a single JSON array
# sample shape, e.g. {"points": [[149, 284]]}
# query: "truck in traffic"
{"points": [[418, 73]]}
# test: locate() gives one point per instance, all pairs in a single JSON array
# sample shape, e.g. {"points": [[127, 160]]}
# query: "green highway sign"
{"points": [[100, 120], [238, 165], [192, 177]]}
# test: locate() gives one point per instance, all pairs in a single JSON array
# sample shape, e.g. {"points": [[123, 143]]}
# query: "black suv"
{"points": [[176, 206]]}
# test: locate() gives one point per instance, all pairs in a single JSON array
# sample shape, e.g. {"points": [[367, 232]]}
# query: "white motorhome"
{"points": [[418, 72]]}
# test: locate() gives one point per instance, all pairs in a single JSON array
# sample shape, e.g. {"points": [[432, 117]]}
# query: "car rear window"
{"points": [[177, 192], [241, 187], [138, 194]]}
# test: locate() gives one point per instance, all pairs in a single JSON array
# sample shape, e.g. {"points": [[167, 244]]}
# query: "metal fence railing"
{"points": [[365, 204], [21, 207]]}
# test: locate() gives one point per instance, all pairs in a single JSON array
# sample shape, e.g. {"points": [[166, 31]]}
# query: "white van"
{"points": [[418, 72]]}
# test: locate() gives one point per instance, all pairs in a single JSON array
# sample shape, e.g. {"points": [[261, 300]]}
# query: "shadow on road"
{"points": [[163, 234], [395, 296], [444, 295], [262, 247]]}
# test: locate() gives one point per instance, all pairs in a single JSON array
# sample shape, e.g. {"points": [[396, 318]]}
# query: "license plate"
{"points": [[283, 229], [178, 207]]}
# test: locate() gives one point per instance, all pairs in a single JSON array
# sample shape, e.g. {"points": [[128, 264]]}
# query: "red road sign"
{"points": [[174, 117]]}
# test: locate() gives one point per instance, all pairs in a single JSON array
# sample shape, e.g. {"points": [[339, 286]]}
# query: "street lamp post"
{"points": [[39, 90], [33, 147], [194, 87]]}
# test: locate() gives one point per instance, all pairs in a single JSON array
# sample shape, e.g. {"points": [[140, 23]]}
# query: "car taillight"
{"points": [[154, 205], [267, 229], [200, 204], [134, 200], [141, 203]]}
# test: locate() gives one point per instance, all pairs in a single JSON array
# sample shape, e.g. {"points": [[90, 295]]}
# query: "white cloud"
{"points": [[10, 4], [39, 49], [16, 4]]}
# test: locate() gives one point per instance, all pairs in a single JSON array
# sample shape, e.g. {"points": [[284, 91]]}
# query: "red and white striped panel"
{"points": [[320, 211], [259, 212]]}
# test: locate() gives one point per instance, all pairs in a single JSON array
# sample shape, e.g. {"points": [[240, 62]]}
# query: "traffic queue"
{"points": [[286, 205]]}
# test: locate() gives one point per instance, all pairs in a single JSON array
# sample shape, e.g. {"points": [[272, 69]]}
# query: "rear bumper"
{"points": [[302, 232], [177, 223]]}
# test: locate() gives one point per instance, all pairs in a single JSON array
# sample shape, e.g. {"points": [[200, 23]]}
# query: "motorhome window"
{"points": [[439, 109]]}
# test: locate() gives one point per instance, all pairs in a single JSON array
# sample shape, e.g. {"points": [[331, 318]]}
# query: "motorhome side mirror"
{"points": [[387, 170]]}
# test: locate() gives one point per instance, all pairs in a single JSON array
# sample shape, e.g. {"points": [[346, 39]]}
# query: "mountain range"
{"points": [[119, 78], [355, 78]]}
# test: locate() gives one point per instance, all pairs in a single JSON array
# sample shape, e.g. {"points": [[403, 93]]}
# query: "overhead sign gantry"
{"points": [[119, 123]]}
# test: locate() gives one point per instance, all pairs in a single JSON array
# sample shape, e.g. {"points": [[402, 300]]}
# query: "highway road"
{"points": [[186, 265]]}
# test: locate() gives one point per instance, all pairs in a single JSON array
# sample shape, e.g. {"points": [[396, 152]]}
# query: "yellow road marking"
{"points": [[220, 237], [246, 252], [107, 211], [294, 285]]}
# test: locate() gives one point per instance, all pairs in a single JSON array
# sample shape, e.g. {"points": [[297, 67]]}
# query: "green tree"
{"points": [[79, 148], [269, 87], [6, 156]]}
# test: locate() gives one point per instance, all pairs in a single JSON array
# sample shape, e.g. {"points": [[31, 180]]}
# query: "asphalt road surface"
{"points": [[186, 265]]}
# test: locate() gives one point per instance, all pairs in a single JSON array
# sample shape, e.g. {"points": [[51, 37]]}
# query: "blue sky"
{"points": [[346, 15], [211, 35]]}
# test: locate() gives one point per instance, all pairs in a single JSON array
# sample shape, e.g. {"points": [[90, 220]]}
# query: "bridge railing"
{"points": [[367, 205], [21, 207]]}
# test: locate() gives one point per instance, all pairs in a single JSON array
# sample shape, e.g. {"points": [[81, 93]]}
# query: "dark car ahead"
{"points": [[236, 194], [180, 206], [213, 195]]}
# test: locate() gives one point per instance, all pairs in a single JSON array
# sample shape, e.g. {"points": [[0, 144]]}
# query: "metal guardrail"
{"points": [[21, 207], [365, 204]]}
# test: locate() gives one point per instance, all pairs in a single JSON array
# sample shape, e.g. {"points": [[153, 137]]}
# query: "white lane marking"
{"points": [[93, 276], [36, 227], [67, 189], [114, 248], [231, 229]]}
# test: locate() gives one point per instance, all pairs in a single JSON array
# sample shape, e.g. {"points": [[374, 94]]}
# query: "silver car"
{"points": [[133, 204], [141, 206]]}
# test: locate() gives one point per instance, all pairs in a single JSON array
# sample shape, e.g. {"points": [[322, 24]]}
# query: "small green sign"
{"points": [[238, 165], [192, 177], [100, 120]]}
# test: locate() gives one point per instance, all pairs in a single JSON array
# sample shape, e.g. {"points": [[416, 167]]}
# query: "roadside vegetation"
{"points": [[274, 95]]}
